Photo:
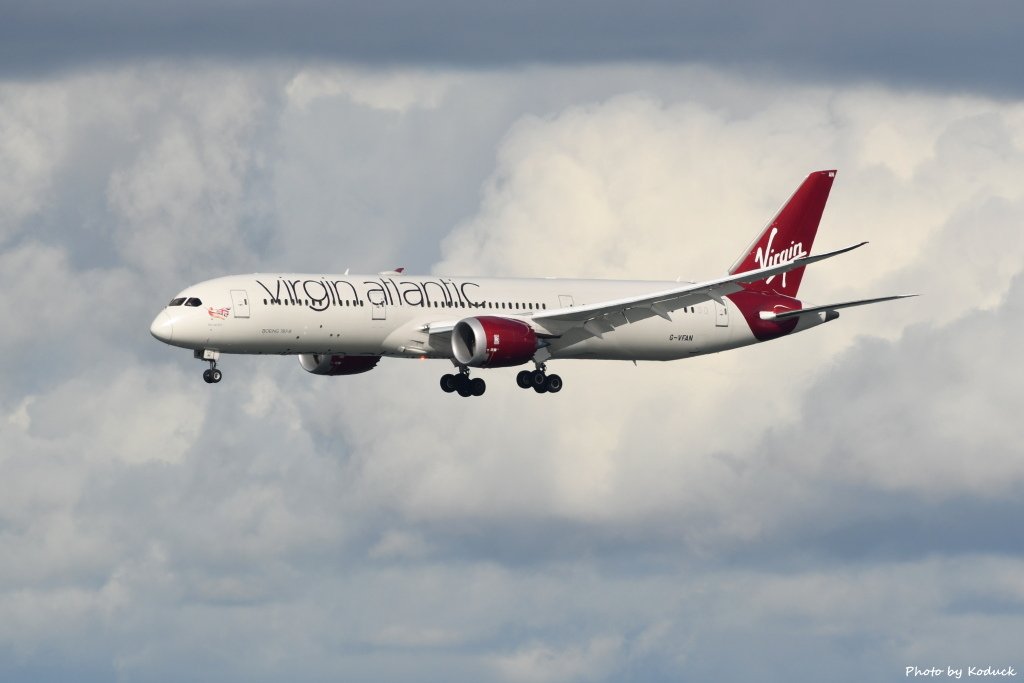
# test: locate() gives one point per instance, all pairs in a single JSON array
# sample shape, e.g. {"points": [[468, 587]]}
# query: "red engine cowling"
{"points": [[321, 364], [492, 342]]}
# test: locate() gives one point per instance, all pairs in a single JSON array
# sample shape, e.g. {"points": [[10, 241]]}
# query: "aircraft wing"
{"points": [[600, 318]]}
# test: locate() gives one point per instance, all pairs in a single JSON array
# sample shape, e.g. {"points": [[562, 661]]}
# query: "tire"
{"points": [[524, 379], [477, 386], [553, 384], [208, 376], [540, 388], [537, 378], [447, 383], [461, 382], [465, 391]]}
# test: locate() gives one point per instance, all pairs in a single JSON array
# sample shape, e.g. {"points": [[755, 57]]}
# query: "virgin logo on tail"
{"points": [[794, 228], [765, 258]]}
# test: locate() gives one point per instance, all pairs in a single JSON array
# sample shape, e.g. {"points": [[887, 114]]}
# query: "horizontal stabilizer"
{"points": [[768, 315]]}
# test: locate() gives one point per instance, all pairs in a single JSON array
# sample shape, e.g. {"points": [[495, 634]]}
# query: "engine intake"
{"points": [[322, 364], [491, 342]]}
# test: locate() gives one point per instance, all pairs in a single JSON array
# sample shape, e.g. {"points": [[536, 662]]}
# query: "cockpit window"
{"points": [[177, 302], [193, 301]]}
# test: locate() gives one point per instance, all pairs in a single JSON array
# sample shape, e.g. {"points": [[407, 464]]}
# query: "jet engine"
{"points": [[492, 342], [324, 364]]}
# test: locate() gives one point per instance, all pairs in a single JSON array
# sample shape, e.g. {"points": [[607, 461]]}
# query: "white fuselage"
{"points": [[388, 315]]}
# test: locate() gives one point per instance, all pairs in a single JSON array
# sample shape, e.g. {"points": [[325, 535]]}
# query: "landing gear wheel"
{"points": [[211, 375], [541, 388], [524, 379], [553, 384], [537, 378], [463, 384]]}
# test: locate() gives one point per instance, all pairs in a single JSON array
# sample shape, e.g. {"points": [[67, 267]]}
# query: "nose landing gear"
{"points": [[213, 375]]}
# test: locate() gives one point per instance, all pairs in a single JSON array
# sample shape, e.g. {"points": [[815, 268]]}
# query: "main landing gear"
{"points": [[539, 380], [466, 386], [463, 384]]}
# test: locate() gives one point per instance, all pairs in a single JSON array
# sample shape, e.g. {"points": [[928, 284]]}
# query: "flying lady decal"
{"points": [[218, 313]]}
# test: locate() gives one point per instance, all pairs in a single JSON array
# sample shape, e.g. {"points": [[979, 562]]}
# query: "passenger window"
{"points": [[177, 302]]}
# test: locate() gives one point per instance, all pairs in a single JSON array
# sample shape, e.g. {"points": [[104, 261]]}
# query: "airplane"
{"points": [[344, 324]]}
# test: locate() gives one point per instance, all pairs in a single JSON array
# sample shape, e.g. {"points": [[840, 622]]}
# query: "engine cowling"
{"points": [[491, 342], [326, 364]]}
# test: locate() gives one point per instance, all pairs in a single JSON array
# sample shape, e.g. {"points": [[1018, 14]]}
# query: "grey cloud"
{"points": [[946, 45]]}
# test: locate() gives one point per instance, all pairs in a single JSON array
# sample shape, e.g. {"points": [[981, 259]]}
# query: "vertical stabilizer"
{"points": [[787, 236]]}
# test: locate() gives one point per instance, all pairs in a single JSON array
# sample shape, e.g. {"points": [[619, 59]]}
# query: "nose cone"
{"points": [[162, 328]]}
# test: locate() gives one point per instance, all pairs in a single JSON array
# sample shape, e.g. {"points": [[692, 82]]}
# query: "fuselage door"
{"points": [[565, 301], [240, 303], [379, 312], [721, 315]]}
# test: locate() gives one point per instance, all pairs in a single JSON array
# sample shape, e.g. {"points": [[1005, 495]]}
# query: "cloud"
{"points": [[809, 503], [33, 124], [540, 663]]}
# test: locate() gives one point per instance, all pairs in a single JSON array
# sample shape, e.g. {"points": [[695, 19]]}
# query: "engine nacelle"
{"points": [[322, 364], [491, 342]]}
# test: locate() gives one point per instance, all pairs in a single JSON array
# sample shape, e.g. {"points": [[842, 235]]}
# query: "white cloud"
{"points": [[395, 90], [184, 194], [540, 663], [33, 139], [647, 521]]}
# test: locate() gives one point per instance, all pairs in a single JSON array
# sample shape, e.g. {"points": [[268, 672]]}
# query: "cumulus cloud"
{"points": [[33, 126], [834, 490]]}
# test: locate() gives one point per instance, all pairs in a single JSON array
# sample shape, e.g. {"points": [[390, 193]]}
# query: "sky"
{"points": [[841, 504]]}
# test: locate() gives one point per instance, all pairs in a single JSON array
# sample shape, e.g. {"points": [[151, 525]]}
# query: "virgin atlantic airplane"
{"points": [[344, 324]]}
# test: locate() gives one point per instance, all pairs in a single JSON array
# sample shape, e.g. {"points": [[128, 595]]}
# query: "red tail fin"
{"points": [[789, 235]]}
